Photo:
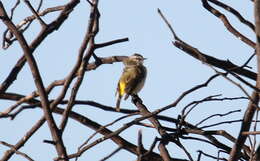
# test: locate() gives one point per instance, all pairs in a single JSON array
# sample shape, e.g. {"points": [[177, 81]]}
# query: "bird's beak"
{"points": [[144, 58]]}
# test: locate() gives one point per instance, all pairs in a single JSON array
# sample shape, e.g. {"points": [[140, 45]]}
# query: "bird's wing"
{"points": [[134, 80], [130, 79]]}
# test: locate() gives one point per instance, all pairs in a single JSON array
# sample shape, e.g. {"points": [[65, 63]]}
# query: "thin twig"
{"points": [[102, 128], [13, 8], [110, 43], [60, 148], [225, 65], [211, 156], [235, 13], [16, 151], [229, 27], [27, 2], [81, 64], [111, 154], [220, 115]]}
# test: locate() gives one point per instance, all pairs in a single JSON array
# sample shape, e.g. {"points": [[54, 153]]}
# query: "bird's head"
{"points": [[135, 59]]}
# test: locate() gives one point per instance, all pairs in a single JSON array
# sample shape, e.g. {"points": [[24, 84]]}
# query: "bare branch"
{"points": [[111, 43], [234, 154], [211, 156], [81, 64], [103, 127], [38, 82], [204, 58], [225, 21], [13, 8], [144, 111], [223, 122], [235, 13], [248, 116], [140, 147], [173, 130], [16, 151], [68, 8], [220, 115], [27, 2], [111, 154]]}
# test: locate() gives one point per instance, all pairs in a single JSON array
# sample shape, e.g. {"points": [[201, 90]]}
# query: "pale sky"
{"points": [[170, 71]]}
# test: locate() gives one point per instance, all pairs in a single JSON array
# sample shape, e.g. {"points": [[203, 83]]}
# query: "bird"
{"points": [[132, 79]]}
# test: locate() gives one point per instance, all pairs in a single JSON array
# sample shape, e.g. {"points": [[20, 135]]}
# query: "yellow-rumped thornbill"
{"points": [[132, 79]]}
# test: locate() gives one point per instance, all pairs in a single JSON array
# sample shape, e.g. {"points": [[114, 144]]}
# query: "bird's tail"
{"points": [[118, 102]]}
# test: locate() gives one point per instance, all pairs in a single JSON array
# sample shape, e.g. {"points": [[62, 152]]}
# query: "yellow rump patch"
{"points": [[122, 88]]}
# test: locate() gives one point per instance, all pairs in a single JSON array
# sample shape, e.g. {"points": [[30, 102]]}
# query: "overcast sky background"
{"points": [[170, 71]]}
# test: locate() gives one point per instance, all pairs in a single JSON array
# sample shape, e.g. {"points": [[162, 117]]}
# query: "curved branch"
{"points": [[225, 21], [204, 58], [235, 13]]}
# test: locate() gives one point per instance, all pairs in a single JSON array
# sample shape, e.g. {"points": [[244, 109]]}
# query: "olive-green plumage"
{"points": [[132, 79]]}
